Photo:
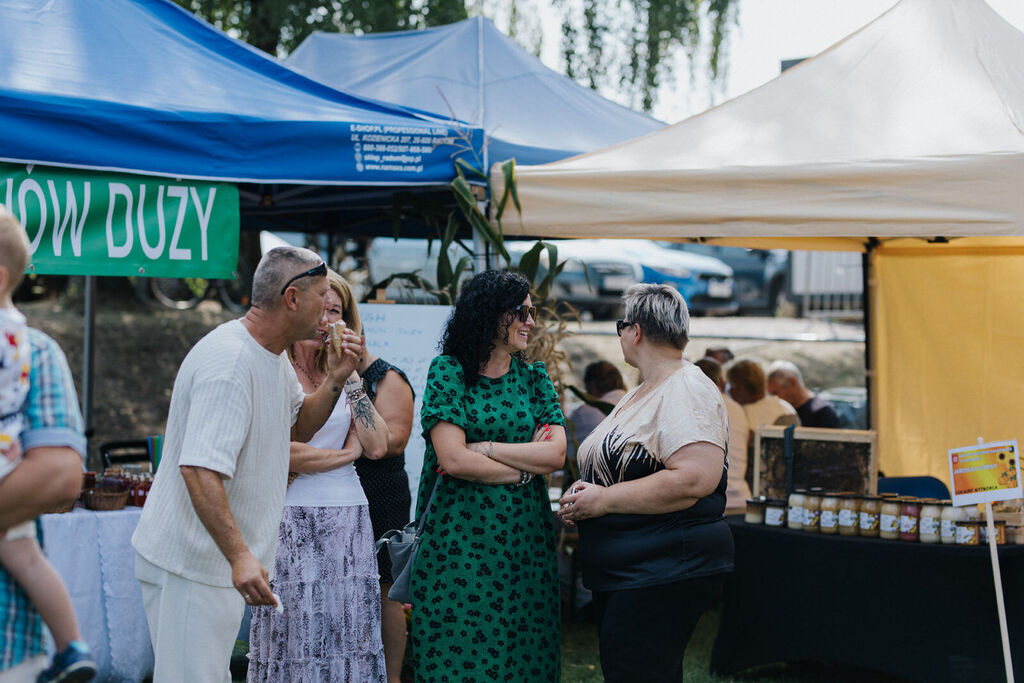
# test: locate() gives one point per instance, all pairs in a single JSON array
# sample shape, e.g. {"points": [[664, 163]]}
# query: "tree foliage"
{"points": [[631, 42], [278, 26], [623, 45]]}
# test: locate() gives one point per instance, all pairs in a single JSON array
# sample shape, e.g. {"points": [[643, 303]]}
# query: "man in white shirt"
{"points": [[209, 528]]}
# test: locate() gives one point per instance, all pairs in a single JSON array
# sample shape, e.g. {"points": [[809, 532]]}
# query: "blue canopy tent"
{"points": [[144, 86], [130, 95], [472, 72]]}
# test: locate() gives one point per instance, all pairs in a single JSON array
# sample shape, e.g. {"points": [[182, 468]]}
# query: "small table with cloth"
{"points": [[93, 554]]}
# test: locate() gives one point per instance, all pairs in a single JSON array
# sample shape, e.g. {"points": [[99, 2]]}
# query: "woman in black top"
{"points": [[387, 489]]}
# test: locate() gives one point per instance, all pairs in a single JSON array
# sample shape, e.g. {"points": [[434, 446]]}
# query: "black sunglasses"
{"points": [[312, 272], [620, 325], [525, 312]]}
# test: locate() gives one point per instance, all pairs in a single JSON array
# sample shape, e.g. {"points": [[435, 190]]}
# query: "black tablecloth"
{"points": [[921, 611]]}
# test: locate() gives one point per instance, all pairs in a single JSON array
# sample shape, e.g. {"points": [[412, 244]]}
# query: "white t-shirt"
{"points": [[766, 411], [15, 356], [737, 492], [339, 487], [635, 440], [232, 409]]}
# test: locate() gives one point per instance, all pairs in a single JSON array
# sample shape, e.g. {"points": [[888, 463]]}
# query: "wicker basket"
{"points": [[66, 507], [104, 499]]}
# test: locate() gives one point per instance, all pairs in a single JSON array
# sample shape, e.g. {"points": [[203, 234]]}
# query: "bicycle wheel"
{"points": [[236, 294], [179, 294]]}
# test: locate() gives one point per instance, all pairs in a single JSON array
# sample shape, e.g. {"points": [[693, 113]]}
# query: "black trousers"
{"points": [[643, 632]]}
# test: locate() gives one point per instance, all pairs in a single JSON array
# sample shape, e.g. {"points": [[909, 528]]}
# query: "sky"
{"points": [[767, 32]]}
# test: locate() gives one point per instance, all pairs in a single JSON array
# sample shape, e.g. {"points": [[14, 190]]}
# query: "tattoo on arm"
{"points": [[363, 411]]}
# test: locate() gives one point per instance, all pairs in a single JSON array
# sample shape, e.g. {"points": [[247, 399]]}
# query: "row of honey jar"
{"points": [[887, 516]]}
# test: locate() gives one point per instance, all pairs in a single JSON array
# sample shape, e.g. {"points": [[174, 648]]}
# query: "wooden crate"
{"points": [[833, 459]]}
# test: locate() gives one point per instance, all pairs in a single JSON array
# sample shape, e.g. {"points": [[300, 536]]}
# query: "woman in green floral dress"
{"points": [[485, 581]]}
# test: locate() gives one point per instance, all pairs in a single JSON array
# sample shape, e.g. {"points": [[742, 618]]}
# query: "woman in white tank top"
{"points": [[326, 569]]}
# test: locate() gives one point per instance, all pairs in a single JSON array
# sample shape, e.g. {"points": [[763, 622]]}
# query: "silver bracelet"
{"points": [[524, 478], [355, 394], [490, 450]]}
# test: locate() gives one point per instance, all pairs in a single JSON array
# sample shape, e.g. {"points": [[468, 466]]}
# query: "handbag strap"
{"points": [[386, 538], [430, 501]]}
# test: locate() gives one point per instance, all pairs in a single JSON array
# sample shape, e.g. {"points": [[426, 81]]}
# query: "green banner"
{"points": [[92, 223]]}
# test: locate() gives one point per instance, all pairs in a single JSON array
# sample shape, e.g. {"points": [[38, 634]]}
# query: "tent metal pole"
{"points": [[88, 349], [480, 86], [483, 256], [868, 309]]}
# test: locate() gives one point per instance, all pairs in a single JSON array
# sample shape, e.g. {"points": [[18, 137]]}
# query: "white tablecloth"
{"points": [[92, 552]]}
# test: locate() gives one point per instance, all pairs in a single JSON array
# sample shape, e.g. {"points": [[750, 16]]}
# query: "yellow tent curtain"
{"points": [[948, 345]]}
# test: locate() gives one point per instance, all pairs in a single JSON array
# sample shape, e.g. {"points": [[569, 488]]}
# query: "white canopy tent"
{"points": [[912, 127]]}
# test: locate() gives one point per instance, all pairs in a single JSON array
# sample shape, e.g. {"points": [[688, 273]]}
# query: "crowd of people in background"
{"points": [[283, 460]]}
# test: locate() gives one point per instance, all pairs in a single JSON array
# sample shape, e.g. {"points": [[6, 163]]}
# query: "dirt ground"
{"points": [[138, 349]]}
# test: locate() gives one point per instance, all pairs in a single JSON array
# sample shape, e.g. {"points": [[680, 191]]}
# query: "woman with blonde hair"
{"points": [[326, 572]]}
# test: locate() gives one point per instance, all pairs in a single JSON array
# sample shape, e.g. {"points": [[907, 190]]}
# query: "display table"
{"points": [[920, 611], [92, 552]]}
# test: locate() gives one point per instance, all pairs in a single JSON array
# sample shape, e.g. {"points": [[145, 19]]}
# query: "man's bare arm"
{"points": [[210, 500]]}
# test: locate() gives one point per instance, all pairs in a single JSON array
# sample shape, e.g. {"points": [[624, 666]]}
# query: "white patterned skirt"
{"points": [[326, 577]]}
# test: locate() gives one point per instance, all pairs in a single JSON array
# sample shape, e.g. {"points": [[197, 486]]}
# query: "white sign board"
{"points": [[406, 336]]}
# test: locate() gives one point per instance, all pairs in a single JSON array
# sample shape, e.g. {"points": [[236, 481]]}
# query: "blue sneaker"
{"points": [[72, 665]]}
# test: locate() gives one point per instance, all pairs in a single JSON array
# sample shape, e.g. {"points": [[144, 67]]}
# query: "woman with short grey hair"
{"points": [[653, 543]]}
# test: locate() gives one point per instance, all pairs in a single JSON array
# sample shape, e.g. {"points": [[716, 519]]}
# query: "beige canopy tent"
{"points": [[905, 141]]}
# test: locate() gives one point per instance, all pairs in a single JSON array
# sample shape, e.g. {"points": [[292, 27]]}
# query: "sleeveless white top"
{"points": [[339, 487]]}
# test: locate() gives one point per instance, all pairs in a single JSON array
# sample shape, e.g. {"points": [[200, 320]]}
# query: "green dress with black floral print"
{"points": [[485, 580]]}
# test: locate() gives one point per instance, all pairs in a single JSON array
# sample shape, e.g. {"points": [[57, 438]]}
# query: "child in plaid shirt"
{"points": [[20, 554]]}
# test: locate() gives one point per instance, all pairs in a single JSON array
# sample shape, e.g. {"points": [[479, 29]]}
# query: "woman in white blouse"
{"points": [[654, 544], [326, 568]]}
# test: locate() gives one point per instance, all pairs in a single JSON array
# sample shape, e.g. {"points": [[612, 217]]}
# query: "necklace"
{"points": [[301, 369]]}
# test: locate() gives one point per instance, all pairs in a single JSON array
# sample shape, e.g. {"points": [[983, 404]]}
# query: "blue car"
{"points": [[759, 274], [705, 282]]}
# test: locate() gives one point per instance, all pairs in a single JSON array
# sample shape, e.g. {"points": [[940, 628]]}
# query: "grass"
{"points": [[581, 662]]}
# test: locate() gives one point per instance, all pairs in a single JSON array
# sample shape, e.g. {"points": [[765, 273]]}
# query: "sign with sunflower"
{"points": [[986, 472]]}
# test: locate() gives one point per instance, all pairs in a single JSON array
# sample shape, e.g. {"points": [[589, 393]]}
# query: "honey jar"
{"points": [[755, 510], [910, 518], [775, 512], [830, 513], [870, 511], [849, 514], [797, 503], [889, 518]]}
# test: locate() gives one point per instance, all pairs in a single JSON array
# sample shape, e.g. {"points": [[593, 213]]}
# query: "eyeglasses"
{"points": [[620, 325], [525, 312], [312, 272]]}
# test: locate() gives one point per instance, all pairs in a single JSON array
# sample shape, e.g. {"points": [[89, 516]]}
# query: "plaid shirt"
{"points": [[52, 418]]}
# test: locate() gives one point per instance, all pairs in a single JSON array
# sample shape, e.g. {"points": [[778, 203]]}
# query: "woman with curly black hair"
{"points": [[484, 581]]}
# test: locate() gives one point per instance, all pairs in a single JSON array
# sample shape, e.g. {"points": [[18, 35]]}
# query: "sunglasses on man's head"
{"points": [[620, 325], [525, 312], [312, 272]]}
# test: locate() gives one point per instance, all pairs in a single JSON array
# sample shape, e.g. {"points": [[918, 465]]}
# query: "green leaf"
{"points": [[508, 172], [530, 261], [462, 167], [549, 280], [477, 220]]}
